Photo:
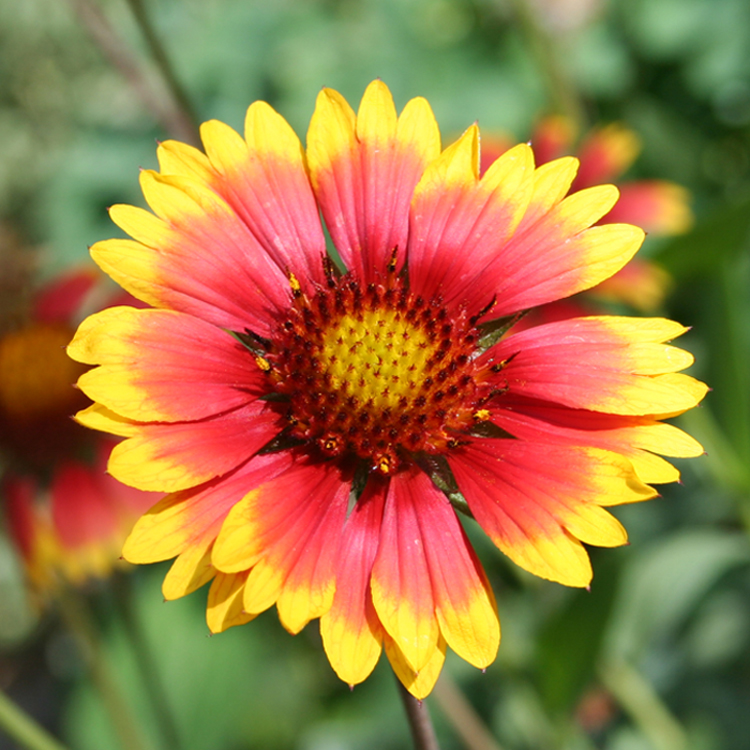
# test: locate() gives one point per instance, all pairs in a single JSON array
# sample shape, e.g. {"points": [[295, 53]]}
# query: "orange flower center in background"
{"points": [[37, 395], [376, 372], [36, 375]]}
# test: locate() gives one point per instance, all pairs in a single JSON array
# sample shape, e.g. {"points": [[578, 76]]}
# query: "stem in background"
{"points": [[174, 121], [420, 724], [642, 703], [461, 714], [150, 676], [561, 92], [77, 618], [159, 53], [18, 725]]}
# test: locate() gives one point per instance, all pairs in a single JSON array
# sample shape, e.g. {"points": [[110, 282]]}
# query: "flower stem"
{"points": [[639, 699], [420, 724], [159, 53], [77, 618], [461, 714], [23, 729], [146, 664], [120, 57]]}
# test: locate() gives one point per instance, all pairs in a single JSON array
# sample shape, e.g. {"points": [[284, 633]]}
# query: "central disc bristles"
{"points": [[377, 372]]}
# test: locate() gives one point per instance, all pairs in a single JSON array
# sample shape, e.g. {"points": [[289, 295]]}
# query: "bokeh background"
{"points": [[657, 655]]}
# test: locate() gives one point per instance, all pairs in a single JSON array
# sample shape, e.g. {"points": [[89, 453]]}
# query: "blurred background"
{"points": [[657, 655]]}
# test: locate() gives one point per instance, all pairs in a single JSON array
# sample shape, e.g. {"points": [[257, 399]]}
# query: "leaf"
{"points": [[723, 235], [663, 586], [570, 641]]}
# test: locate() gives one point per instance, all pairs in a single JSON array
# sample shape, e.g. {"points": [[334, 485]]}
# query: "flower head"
{"points": [[65, 515], [311, 421]]}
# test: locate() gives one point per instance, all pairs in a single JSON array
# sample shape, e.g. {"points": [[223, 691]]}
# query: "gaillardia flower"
{"points": [[315, 422], [67, 518]]}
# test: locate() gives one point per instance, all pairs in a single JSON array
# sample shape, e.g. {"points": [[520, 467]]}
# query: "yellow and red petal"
{"points": [[658, 206], [538, 505], [351, 631], [552, 138], [401, 587], [641, 284], [195, 256], [287, 531], [168, 457], [605, 154], [154, 362], [461, 224], [606, 363], [364, 168], [182, 519], [420, 683], [637, 438], [464, 603], [556, 252], [263, 177]]}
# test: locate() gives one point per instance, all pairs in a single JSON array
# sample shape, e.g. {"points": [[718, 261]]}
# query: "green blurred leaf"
{"points": [[664, 584], [569, 642], [723, 235]]}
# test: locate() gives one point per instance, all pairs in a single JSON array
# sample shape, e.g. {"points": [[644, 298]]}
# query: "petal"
{"points": [[633, 437], [658, 206], [464, 603], [287, 530], [98, 417], [459, 224], [608, 364], [182, 519], [641, 284], [154, 362], [351, 632], [419, 684], [401, 587], [192, 568], [556, 252], [552, 138], [18, 495], [225, 608], [364, 169], [177, 158], [536, 504], [61, 300], [170, 457], [605, 154], [81, 513], [195, 256], [264, 179]]}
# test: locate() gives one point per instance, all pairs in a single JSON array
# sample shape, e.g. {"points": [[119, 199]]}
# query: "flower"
{"points": [[67, 517], [313, 425], [658, 206]]}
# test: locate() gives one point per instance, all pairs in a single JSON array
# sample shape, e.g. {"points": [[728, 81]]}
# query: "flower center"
{"points": [[36, 375], [376, 372], [37, 396]]}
